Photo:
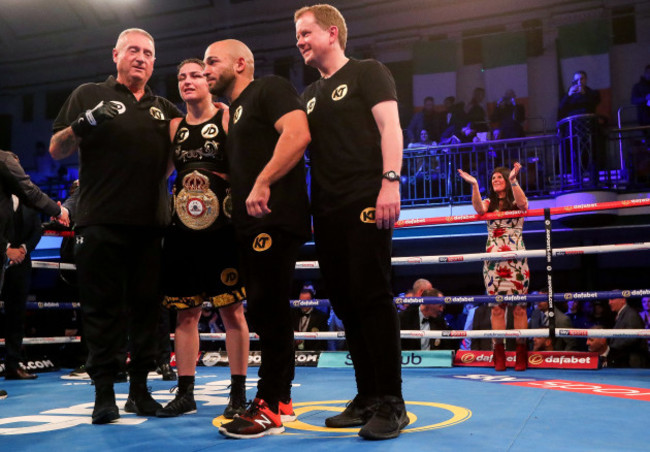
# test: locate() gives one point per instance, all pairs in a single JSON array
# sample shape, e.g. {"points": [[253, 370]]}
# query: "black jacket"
{"points": [[13, 180]]}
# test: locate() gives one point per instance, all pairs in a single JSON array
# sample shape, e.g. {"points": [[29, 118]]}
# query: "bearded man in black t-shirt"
{"points": [[267, 137], [356, 154], [121, 130]]}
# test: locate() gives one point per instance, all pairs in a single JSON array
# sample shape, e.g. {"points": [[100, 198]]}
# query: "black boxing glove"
{"points": [[89, 119]]}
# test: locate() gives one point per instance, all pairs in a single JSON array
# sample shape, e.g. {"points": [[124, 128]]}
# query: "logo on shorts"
{"points": [[156, 113], [229, 276], [368, 215], [311, 104], [262, 242], [209, 131], [182, 135], [237, 115], [340, 92]]}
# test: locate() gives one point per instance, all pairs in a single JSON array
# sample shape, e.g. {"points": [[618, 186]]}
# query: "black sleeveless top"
{"points": [[201, 198]]}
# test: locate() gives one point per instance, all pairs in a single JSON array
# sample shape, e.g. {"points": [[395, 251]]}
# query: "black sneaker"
{"points": [[356, 413], [79, 373], [236, 403], [141, 403], [167, 372], [105, 410], [389, 418], [182, 404]]}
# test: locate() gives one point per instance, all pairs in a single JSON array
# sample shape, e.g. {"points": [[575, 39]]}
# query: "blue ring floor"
{"points": [[452, 409]]}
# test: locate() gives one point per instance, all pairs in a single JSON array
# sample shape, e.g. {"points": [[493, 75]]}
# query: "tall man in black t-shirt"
{"points": [[121, 130], [267, 137], [356, 154]]}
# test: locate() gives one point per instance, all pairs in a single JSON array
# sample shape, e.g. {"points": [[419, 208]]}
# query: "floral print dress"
{"points": [[510, 277]]}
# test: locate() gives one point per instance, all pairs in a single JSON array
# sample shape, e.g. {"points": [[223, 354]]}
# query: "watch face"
{"points": [[391, 176]]}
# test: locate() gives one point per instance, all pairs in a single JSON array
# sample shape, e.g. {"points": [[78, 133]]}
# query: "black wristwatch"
{"points": [[391, 176]]}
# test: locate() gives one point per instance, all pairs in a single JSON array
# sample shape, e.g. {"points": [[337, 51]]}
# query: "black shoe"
{"points": [[80, 372], [105, 410], [19, 374], [236, 404], [167, 372], [3, 394], [182, 404], [357, 412], [389, 418], [140, 401]]}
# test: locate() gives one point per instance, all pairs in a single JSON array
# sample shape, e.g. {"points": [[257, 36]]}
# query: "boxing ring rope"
{"points": [[549, 253], [404, 334], [442, 259], [579, 208]]}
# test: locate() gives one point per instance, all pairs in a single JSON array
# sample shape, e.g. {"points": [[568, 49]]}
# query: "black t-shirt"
{"points": [[123, 162], [251, 141], [345, 150], [201, 200]]}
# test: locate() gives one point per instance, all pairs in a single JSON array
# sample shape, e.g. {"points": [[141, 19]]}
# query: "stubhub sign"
{"points": [[410, 358]]}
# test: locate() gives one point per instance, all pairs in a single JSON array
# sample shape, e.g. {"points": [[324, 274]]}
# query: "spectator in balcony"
{"points": [[509, 277], [509, 117], [423, 140], [641, 97], [475, 113], [580, 99], [424, 119], [627, 351], [451, 121]]}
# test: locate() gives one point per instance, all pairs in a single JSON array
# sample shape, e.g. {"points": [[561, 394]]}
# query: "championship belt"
{"points": [[196, 205]]}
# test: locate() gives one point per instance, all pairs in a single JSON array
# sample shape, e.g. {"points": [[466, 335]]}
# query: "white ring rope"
{"points": [[404, 334], [474, 257]]}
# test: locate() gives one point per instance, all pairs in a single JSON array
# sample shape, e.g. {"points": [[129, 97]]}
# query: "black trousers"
{"points": [[14, 293], [119, 284], [268, 262], [354, 258]]}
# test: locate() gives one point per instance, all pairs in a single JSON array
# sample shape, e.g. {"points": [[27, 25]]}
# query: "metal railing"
{"points": [[430, 174], [583, 155]]}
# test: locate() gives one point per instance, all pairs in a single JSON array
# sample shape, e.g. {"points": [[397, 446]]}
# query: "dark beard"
{"points": [[222, 85]]}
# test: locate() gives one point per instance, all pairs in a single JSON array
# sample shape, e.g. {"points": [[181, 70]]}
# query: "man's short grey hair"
{"points": [[123, 35]]}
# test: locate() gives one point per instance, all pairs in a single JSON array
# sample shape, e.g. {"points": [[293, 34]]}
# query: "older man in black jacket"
{"points": [[19, 234], [627, 351], [14, 181]]}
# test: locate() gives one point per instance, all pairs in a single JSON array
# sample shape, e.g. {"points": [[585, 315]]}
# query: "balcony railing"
{"points": [[582, 156]]}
